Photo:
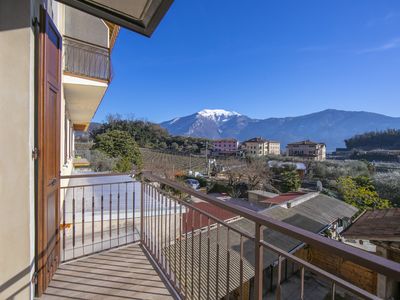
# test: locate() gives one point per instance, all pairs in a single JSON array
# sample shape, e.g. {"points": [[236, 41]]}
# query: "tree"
{"points": [[119, 144], [147, 134], [289, 181], [388, 187], [174, 146], [360, 192], [387, 139], [235, 181], [256, 174], [100, 161]]}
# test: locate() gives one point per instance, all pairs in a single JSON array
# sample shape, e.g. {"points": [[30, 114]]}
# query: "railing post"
{"points": [[259, 264], [141, 211]]}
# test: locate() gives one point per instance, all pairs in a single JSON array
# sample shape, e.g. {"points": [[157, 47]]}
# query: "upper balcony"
{"points": [[179, 249], [87, 44], [86, 60]]}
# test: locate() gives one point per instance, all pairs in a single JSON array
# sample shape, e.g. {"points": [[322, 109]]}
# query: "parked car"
{"points": [[193, 183]]}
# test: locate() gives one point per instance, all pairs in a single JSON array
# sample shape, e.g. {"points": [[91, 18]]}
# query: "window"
{"points": [[66, 134], [71, 141]]}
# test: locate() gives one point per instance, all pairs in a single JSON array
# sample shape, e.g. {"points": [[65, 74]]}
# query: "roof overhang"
{"points": [[141, 16]]}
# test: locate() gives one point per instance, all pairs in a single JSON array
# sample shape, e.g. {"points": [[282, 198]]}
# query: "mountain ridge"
{"points": [[330, 126]]}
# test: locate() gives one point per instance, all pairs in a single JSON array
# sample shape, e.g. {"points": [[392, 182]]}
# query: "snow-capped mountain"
{"points": [[211, 123], [217, 114], [329, 126]]}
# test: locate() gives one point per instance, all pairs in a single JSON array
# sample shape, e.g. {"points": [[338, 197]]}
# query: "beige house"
{"points": [[307, 149], [258, 147]]}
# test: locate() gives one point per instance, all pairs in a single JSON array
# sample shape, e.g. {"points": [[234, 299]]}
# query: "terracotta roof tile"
{"points": [[193, 217], [379, 224]]}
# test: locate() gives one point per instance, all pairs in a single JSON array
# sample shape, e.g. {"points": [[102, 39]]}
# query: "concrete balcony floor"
{"points": [[121, 273]]}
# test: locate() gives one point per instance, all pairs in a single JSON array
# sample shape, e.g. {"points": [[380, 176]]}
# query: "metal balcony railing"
{"points": [[98, 212], [85, 59], [201, 255]]}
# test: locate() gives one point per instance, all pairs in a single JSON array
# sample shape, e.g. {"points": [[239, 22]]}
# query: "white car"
{"points": [[193, 183]]}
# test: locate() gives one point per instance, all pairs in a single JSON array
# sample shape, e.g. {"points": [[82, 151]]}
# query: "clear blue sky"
{"points": [[260, 58]]}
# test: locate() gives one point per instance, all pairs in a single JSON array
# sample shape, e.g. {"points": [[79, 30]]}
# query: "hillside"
{"points": [[330, 126], [388, 140]]}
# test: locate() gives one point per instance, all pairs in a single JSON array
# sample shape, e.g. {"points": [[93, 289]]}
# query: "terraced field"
{"points": [[153, 159]]}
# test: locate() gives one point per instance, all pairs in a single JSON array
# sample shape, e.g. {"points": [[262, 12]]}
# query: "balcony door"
{"points": [[48, 134]]}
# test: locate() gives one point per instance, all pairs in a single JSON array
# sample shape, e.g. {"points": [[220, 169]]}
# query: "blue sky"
{"points": [[261, 58]]}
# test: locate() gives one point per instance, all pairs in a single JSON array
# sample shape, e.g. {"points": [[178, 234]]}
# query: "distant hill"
{"points": [[330, 126], [387, 139]]}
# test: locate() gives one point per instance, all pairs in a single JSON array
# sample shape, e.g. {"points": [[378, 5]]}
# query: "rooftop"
{"points": [[225, 140], [192, 217], [259, 140], [263, 193], [313, 215], [318, 207], [282, 198], [306, 142], [280, 164], [382, 225]]}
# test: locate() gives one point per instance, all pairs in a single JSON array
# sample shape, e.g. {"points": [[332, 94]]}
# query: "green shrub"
{"points": [[120, 145]]}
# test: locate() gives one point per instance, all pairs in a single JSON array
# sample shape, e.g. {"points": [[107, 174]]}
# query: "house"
{"points": [[300, 168], [225, 147], [258, 147], [378, 231], [307, 149], [55, 63], [317, 213]]}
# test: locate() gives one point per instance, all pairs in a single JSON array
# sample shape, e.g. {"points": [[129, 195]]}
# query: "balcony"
{"points": [[86, 59], [86, 78], [147, 240]]}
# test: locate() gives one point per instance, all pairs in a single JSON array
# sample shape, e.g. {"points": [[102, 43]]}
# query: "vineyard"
{"points": [[153, 159], [177, 162]]}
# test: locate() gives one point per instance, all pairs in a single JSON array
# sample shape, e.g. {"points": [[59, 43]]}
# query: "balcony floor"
{"points": [[122, 273]]}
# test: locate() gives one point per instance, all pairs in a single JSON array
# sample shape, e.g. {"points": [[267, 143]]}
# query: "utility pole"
{"points": [[207, 158]]}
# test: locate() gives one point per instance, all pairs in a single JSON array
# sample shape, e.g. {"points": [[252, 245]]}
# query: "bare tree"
{"points": [[256, 173], [251, 175]]}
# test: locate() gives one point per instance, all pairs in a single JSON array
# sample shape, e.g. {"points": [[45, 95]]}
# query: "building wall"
{"points": [[256, 149], [387, 288], [77, 24], [274, 148], [227, 146], [317, 152], [17, 131], [262, 149], [17, 103], [357, 275]]}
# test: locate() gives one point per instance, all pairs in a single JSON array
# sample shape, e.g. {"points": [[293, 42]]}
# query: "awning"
{"points": [[142, 16]]}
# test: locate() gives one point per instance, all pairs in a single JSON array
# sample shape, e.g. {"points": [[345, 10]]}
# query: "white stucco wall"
{"points": [[17, 219], [17, 135]]}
